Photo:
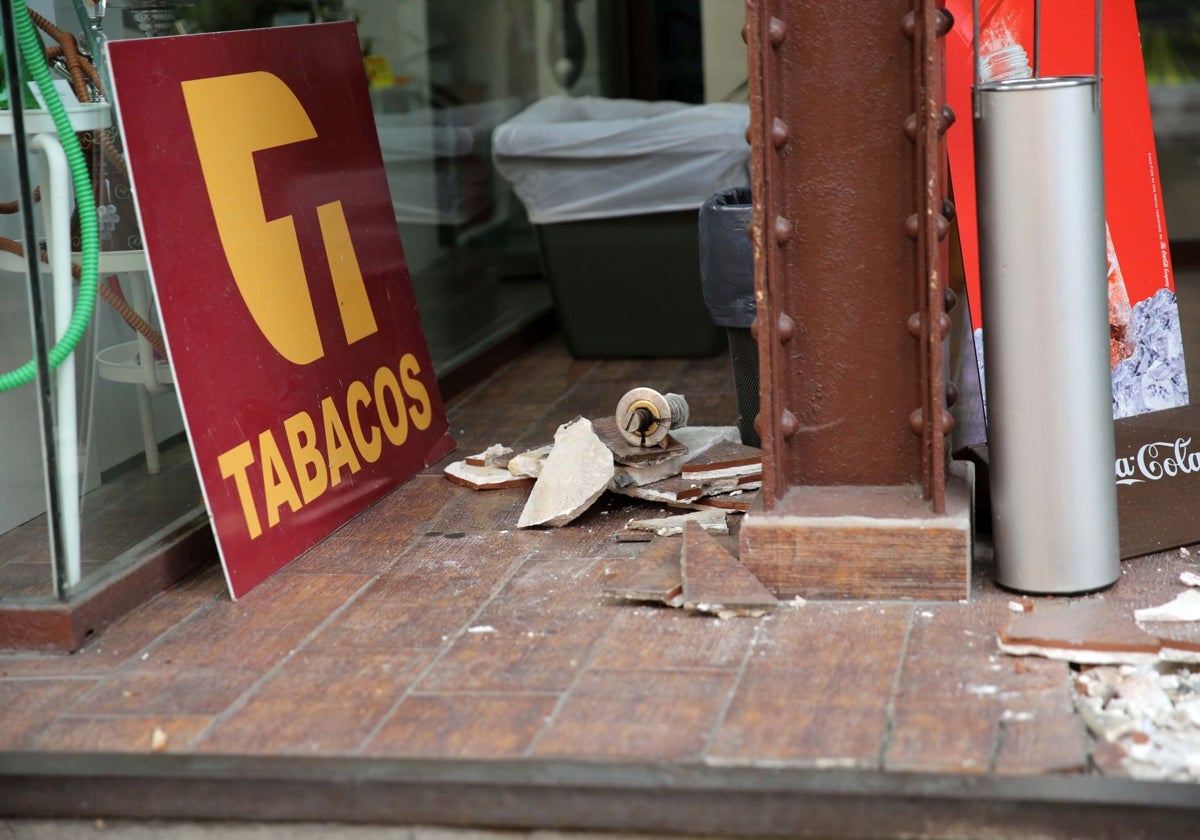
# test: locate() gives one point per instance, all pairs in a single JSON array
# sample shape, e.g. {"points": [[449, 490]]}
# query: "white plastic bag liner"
{"points": [[454, 144], [572, 158]]}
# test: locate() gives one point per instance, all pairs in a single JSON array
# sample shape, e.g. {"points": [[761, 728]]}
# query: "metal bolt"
{"points": [[645, 417]]}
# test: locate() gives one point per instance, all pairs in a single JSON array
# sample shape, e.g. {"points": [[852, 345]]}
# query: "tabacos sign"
{"points": [[303, 374]]}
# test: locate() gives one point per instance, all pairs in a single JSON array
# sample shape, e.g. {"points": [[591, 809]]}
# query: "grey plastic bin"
{"points": [[727, 283]]}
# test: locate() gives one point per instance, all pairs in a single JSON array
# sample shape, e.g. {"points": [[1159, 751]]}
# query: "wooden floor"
{"points": [[430, 627]]}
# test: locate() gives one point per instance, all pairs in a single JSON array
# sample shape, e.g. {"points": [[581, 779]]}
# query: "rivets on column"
{"points": [[910, 127], [949, 210], [788, 424], [779, 133], [946, 118], [943, 22], [783, 230], [908, 24], [912, 226], [916, 421], [776, 31], [785, 328], [951, 393], [949, 299], [944, 324], [746, 33], [947, 423], [914, 325], [754, 328]]}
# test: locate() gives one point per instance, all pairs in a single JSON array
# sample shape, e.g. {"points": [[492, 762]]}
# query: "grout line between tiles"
{"points": [[885, 743], [723, 712], [516, 566]]}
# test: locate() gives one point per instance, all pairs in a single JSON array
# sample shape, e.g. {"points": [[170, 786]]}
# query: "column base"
{"points": [[870, 543]]}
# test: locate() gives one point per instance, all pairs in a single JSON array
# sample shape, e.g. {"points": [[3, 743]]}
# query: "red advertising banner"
{"points": [[304, 377], [1146, 349]]}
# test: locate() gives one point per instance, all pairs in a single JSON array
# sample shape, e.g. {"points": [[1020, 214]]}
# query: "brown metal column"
{"points": [[847, 115]]}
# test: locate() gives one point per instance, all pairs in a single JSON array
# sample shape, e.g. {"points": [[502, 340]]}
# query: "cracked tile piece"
{"points": [[483, 478], [576, 472], [725, 460], [529, 464], [1184, 607], [697, 440], [715, 582], [1093, 631], [626, 453], [654, 575], [496, 455], [713, 521]]}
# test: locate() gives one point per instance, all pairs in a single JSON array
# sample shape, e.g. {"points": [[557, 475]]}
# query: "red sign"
{"points": [[306, 384], [1146, 352]]}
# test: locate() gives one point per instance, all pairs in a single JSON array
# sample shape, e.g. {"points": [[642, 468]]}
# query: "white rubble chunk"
{"points": [[575, 474]]}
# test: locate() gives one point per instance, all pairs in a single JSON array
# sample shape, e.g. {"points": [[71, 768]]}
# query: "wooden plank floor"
{"points": [[430, 627]]}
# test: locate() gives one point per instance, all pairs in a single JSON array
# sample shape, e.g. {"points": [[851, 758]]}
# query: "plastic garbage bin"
{"points": [[727, 283], [613, 188]]}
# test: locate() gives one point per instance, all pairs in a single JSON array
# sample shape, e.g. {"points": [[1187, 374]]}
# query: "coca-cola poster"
{"points": [[1146, 347]]}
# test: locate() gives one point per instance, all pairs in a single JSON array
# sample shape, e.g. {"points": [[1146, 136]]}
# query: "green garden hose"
{"points": [[34, 64]]}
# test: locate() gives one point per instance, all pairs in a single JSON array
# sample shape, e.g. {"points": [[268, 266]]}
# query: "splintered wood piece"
{"points": [[726, 459], [713, 521], [483, 478], [1091, 631], [626, 453], [1184, 607], [496, 455], [576, 472], [654, 575], [715, 582]]}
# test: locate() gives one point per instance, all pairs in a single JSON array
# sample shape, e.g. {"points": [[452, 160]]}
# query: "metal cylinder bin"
{"points": [[1043, 267]]}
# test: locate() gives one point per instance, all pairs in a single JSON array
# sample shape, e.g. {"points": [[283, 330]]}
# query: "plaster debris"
{"points": [[715, 582], [1183, 551], [576, 472], [159, 739], [654, 575], [1016, 606], [1149, 713], [1184, 607], [496, 455], [713, 521], [1189, 578], [483, 478], [481, 628], [529, 464]]}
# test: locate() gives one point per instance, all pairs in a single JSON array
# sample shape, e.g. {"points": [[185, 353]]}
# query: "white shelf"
{"points": [[120, 363], [84, 116]]}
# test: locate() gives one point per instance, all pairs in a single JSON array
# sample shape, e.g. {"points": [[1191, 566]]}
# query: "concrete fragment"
{"points": [[1184, 607], [483, 478], [654, 575], [1189, 578], [529, 464], [496, 455], [715, 582], [726, 460], [576, 472], [713, 521]]}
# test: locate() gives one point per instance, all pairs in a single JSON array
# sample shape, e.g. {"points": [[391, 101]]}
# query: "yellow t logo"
{"points": [[232, 118]]}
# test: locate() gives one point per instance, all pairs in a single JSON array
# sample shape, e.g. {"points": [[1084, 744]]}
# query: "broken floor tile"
{"points": [[697, 440], [576, 472], [1184, 607], [654, 575], [530, 463], [496, 455], [713, 521], [626, 453], [1090, 631], [714, 581], [725, 460], [483, 478]]}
